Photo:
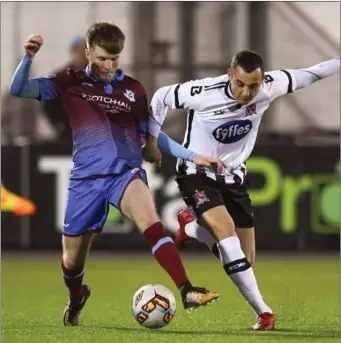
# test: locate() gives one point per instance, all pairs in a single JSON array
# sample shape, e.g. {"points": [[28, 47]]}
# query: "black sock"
{"points": [[215, 251]]}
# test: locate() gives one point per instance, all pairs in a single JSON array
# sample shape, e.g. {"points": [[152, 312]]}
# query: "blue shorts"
{"points": [[88, 201]]}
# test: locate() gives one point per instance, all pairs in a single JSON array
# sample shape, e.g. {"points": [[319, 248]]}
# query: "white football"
{"points": [[153, 306]]}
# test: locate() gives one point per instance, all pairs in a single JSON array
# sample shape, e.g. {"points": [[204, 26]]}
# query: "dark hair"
{"points": [[248, 60], [107, 36]]}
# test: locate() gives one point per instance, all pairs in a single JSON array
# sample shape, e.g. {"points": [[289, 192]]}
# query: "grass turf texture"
{"points": [[303, 293]]}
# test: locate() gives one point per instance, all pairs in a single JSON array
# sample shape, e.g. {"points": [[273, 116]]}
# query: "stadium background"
{"points": [[294, 169], [294, 175]]}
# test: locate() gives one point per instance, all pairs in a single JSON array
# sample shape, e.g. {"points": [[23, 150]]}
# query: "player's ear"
{"points": [[229, 73]]}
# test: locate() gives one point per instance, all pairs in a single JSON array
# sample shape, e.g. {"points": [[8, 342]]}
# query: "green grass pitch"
{"points": [[303, 293]]}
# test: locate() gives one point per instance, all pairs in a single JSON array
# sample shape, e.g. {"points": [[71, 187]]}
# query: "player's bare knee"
{"points": [[74, 257], [72, 262], [221, 231], [144, 221], [137, 204], [219, 222]]}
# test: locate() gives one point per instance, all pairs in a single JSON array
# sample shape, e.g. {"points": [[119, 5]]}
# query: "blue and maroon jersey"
{"points": [[106, 119]]}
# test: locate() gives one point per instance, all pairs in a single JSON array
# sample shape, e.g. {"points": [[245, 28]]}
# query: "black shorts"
{"points": [[203, 193]]}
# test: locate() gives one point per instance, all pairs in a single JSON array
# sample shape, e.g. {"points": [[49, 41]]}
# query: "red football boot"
{"points": [[266, 322], [184, 217]]}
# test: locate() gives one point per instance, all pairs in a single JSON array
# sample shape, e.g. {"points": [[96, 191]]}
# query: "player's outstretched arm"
{"points": [[20, 85], [23, 87], [170, 147], [307, 76], [281, 82]]}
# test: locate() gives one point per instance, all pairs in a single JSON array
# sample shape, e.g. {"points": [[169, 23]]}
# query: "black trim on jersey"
{"points": [[236, 179], [176, 95], [181, 171], [215, 85], [202, 171], [227, 90], [189, 128], [290, 80], [182, 167], [235, 107]]}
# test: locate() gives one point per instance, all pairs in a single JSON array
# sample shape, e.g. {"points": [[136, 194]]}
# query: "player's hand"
{"points": [[210, 162], [152, 154], [32, 44]]}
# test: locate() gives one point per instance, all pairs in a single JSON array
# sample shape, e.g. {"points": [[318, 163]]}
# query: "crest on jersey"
{"points": [[250, 110], [130, 95], [200, 198]]}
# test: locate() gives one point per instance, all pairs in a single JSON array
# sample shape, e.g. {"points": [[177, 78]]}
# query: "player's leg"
{"points": [[237, 267], [132, 196], [247, 242], [75, 252], [238, 204], [189, 229], [212, 213], [85, 212]]}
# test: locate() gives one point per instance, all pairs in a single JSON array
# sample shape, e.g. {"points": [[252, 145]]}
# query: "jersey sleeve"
{"points": [[279, 82], [186, 95], [54, 86]]}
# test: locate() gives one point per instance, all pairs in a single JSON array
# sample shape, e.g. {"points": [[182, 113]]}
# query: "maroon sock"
{"points": [[166, 253], [73, 279]]}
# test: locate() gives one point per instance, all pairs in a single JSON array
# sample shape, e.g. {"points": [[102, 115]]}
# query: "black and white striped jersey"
{"points": [[217, 125]]}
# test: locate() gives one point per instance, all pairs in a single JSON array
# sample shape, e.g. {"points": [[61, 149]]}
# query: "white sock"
{"points": [[194, 230], [241, 273]]}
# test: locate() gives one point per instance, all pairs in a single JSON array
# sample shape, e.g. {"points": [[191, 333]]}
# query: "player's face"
{"points": [[244, 86], [103, 64]]}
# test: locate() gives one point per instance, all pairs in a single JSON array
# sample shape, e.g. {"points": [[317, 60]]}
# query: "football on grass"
{"points": [[153, 306]]}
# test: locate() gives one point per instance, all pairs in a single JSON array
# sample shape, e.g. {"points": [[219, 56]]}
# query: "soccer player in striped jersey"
{"points": [[224, 114], [108, 113]]}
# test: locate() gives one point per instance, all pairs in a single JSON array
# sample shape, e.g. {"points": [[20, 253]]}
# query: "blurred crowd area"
{"points": [[173, 42]]}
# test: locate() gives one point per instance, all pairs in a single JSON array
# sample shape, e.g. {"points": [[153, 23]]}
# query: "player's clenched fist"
{"points": [[32, 44], [152, 154]]}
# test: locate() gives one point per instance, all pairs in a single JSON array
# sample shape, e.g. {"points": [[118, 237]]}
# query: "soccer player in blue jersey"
{"points": [[108, 113]]}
